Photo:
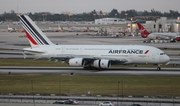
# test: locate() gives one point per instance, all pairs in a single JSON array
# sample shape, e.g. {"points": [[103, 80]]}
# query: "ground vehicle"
{"points": [[74, 101], [108, 103], [70, 101]]}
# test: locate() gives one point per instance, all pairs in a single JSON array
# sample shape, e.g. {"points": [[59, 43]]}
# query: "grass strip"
{"points": [[138, 85]]}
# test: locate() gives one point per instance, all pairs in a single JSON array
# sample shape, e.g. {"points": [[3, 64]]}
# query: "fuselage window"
{"points": [[162, 53]]}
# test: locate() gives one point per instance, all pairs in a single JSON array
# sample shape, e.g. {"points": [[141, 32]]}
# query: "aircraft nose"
{"points": [[166, 58]]}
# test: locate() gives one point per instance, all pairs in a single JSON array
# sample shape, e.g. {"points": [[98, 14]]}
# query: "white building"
{"points": [[110, 21], [163, 25]]}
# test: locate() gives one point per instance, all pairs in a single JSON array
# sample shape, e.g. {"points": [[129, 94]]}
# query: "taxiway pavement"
{"points": [[81, 71]]}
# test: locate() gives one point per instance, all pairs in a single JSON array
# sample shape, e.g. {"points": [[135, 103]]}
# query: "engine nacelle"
{"points": [[77, 62], [102, 63]]}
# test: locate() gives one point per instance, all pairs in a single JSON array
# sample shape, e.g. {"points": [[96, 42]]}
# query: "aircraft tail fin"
{"points": [[35, 36], [143, 31]]}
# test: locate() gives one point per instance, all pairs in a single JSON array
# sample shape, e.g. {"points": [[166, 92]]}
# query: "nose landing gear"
{"points": [[159, 67]]}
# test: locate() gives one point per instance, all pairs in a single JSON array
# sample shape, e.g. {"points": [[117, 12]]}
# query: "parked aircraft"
{"points": [[56, 29], [167, 37], [11, 29], [88, 56], [72, 28]]}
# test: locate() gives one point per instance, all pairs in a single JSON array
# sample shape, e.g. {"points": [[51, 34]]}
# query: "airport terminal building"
{"points": [[164, 25], [160, 25]]}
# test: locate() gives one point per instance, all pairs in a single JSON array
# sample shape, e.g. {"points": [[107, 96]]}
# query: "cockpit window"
{"points": [[162, 54]]}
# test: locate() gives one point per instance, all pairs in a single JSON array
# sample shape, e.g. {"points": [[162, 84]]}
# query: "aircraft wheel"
{"points": [[158, 68], [85, 68], [88, 68]]}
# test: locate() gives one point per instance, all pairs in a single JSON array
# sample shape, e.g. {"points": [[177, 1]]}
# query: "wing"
{"points": [[19, 53], [66, 57]]}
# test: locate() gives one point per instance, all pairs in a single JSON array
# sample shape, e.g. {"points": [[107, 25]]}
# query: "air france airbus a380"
{"points": [[87, 56]]}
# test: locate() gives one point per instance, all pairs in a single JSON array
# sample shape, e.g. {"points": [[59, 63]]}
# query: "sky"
{"points": [[80, 6]]}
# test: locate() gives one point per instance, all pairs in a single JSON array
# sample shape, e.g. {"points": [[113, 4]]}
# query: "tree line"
{"points": [[88, 16]]}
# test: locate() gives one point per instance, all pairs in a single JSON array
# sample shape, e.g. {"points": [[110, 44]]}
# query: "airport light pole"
{"points": [[104, 15], [94, 17], [44, 15], [69, 15], [126, 15], [122, 89], [115, 15], [118, 94], [99, 15], [59, 88], [32, 86], [131, 25]]}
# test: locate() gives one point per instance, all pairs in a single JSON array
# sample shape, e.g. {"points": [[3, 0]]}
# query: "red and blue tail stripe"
{"points": [[34, 34]]}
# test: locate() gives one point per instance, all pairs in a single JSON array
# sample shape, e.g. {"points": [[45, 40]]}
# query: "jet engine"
{"points": [[77, 62], [103, 63]]}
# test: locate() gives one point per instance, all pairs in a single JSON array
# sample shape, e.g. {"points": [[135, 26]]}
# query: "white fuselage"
{"points": [[132, 53], [163, 36]]}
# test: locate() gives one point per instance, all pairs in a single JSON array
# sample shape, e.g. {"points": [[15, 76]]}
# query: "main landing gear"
{"points": [[89, 68]]}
